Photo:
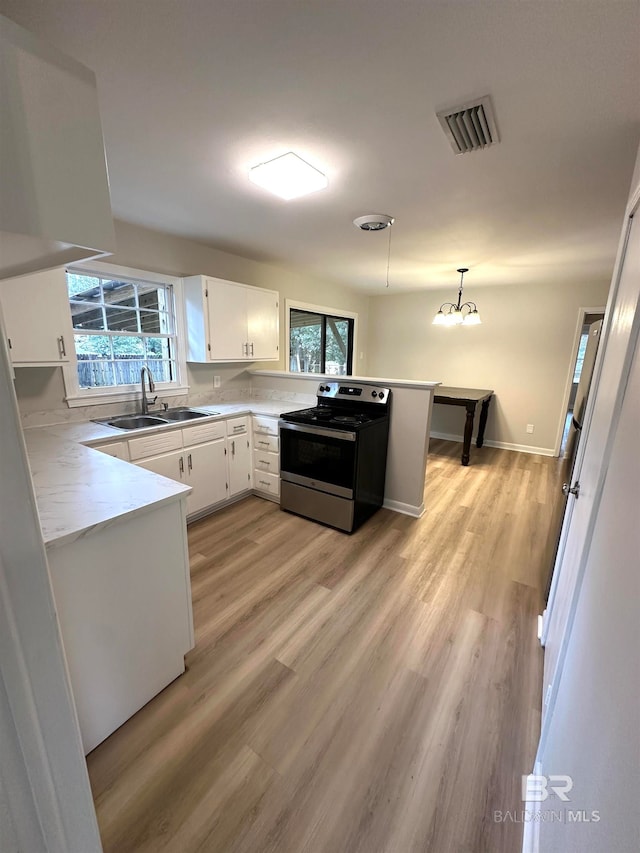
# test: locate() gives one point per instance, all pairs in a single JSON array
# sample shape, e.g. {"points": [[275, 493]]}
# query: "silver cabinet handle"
{"points": [[264, 462], [61, 347], [264, 483], [181, 465], [251, 347], [190, 462], [265, 443], [233, 448]]}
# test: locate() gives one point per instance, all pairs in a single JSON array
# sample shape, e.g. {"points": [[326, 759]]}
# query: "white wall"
{"points": [[594, 733], [42, 389], [522, 351]]}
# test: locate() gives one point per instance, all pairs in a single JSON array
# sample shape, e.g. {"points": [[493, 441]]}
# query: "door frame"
{"points": [[53, 799], [582, 312], [624, 330]]}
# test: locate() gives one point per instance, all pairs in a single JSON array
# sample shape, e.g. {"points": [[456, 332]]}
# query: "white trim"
{"points": [[316, 309], [502, 445], [531, 831], [404, 509], [77, 396], [572, 367]]}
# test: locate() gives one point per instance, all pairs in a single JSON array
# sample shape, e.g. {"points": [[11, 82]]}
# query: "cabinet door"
{"points": [[206, 473], [263, 324], [37, 318], [118, 449], [170, 465], [227, 311], [239, 464]]}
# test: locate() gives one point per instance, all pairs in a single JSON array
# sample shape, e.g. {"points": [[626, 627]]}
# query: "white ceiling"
{"points": [[194, 92]]}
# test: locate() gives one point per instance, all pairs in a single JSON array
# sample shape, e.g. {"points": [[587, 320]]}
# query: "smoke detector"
{"points": [[373, 222]]}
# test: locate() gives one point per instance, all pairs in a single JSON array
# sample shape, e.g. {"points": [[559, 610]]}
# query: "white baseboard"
{"points": [[531, 829], [503, 445], [405, 509]]}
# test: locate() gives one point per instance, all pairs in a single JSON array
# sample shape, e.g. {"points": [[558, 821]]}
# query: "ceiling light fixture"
{"points": [[450, 314], [377, 222], [288, 176]]}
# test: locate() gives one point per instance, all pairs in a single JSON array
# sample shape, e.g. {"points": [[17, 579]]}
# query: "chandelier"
{"points": [[460, 313]]}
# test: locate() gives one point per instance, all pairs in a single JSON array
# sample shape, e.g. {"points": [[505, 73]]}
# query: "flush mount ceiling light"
{"points": [[460, 313], [377, 222], [288, 176]]}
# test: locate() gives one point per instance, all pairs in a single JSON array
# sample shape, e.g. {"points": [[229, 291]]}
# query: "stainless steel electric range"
{"points": [[333, 456]]}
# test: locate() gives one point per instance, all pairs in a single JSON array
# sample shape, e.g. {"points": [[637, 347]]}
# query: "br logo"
{"points": [[536, 789]]}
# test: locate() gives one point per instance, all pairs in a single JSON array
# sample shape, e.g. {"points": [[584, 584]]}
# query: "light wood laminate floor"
{"points": [[373, 693]]}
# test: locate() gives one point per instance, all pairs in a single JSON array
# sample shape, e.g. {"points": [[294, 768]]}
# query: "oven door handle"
{"points": [[338, 434]]}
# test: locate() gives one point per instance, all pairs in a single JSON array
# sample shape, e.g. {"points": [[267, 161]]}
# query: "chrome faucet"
{"points": [[152, 388]]}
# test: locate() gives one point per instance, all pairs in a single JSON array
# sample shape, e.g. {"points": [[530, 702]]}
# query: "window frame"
{"points": [[336, 313], [76, 395]]}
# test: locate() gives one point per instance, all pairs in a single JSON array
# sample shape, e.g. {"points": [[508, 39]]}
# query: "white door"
{"points": [[262, 324], [206, 468], [239, 452], [603, 407], [227, 309]]}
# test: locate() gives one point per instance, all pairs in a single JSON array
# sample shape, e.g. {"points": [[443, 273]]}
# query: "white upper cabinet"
{"points": [[230, 322], [37, 319], [54, 205]]}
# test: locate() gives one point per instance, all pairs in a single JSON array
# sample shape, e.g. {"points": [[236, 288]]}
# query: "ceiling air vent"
{"points": [[471, 126]]}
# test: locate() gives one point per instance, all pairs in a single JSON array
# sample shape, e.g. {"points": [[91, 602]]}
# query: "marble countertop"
{"points": [[79, 490]]}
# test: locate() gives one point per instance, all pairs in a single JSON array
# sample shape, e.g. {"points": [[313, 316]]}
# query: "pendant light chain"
{"points": [[389, 255]]}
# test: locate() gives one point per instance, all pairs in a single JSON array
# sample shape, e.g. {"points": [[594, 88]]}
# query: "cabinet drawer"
{"points": [[237, 426], [268, 483], [154, 445], [118, 449], [266, 443], [267, 463], [203, 432], [265, 425]]}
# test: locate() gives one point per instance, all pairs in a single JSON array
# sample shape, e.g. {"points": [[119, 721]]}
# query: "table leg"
{"points": [[484, 411], [468, 432]]}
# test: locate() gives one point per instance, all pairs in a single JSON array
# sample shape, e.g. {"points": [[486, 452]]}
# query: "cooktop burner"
{"points": [[348, 407]]}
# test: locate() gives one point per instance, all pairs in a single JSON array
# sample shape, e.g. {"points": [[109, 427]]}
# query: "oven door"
{"points": [[322, 459]]}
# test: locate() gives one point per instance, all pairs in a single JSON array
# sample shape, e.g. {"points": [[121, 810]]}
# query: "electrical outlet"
{"points": [[216, 384], [529, 428]]}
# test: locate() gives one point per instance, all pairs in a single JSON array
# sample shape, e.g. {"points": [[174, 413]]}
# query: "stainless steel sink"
{"points": [[183, 413], [134, 421], [180, 413]]}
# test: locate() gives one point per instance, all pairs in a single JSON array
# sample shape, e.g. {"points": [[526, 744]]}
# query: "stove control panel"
{"points": [[354, 391]]}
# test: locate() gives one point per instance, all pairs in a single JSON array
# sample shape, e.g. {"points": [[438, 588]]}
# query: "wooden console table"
{"points": [[469, 398]]}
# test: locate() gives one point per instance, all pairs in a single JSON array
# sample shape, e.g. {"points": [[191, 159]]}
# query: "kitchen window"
{"points": [[320, 340], [121, 324]]}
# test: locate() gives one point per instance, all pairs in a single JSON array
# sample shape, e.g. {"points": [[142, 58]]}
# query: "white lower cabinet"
{"points": [[206, 473], [266, 458], [196, 456], [239, 455], [118, 449], [218, 459], [169, 465]]}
